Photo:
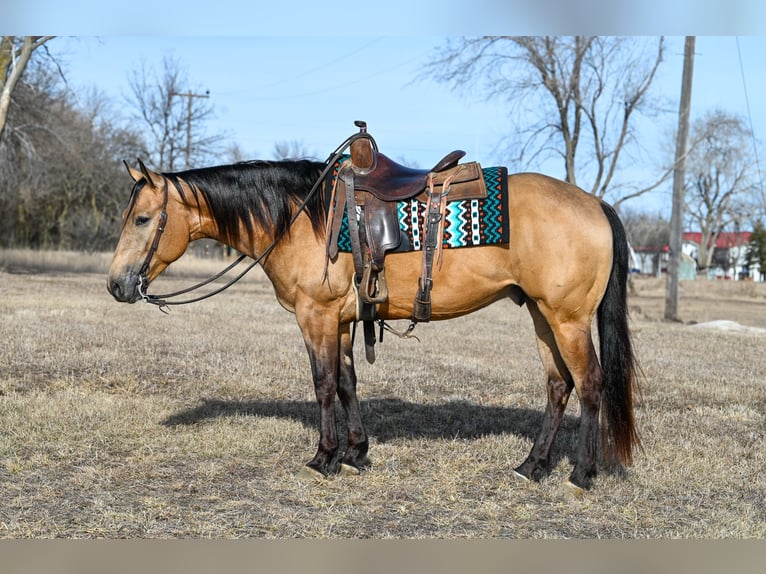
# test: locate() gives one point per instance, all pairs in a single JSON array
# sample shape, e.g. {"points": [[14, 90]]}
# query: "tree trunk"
{"points": [[12, 64]]}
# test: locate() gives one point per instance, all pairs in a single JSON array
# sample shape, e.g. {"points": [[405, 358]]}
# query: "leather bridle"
{"points": [[155, 244], [162, 300]]}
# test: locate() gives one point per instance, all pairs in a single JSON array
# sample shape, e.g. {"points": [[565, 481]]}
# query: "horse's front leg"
{"points": [[332, 367], [323, 355], [355, 459]]}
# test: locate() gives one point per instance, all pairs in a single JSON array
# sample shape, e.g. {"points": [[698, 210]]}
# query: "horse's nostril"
{"points": [[115, 289]]}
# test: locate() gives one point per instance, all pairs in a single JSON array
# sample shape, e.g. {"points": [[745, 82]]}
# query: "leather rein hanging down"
{"points": [[162, 300]]}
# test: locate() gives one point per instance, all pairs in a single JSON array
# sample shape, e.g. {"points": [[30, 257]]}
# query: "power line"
{"points": [[334, 87], [332, 62], [750, 118]]}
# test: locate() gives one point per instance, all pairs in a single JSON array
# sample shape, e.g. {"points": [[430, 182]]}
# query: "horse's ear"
{"points": [[134, 173], [151, 177]]}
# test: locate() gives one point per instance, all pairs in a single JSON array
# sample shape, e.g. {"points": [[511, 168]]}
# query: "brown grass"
{"points": [[119, 421]]}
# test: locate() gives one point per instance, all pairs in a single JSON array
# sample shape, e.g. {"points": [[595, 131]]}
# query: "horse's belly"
{"points": [[467, 280]]}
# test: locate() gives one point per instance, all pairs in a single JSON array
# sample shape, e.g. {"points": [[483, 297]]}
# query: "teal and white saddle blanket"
{"points": [[468, 222]]}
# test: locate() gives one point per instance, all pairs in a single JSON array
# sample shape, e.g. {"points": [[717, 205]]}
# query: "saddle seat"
{"points": [[391, 181]]}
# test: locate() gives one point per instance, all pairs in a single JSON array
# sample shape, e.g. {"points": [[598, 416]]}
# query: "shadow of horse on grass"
{"points": [[391, 419]]}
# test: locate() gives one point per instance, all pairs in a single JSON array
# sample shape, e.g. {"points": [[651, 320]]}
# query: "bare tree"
{"points": [[720, 191], [575, 98], [648, 234], [175, 126], [61, 179], [234, 153], [15, 53], [291, 150]]}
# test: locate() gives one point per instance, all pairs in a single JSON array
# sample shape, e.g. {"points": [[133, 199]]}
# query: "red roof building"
{"points": [[731, 264], [726, 239]]}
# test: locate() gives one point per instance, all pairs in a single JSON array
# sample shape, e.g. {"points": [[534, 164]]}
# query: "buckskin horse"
{"points": [[566, 259]]}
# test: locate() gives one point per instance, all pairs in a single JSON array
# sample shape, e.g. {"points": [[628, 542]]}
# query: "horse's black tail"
{"points": [[618, 363]]}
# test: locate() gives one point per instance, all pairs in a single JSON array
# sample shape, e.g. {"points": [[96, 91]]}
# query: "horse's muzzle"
{"points": [[124, 288]]}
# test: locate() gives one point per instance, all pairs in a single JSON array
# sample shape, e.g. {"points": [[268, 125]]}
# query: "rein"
{"points": [[162, 300]]}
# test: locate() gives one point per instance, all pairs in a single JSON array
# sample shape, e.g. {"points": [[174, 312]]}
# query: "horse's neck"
{"points": [[253, 246], [300, 239], [202, 223]]}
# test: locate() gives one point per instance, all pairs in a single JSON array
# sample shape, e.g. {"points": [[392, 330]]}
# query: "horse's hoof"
{"points": [[520, 477], [574, 490], [309, 474], [348, 470]]}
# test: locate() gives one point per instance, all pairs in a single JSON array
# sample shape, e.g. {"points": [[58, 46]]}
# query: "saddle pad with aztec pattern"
{"points": [[468, 223]]}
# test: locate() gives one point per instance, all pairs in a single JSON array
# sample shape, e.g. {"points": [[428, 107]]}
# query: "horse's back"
{"points": [[559, 253], [531, 194]]}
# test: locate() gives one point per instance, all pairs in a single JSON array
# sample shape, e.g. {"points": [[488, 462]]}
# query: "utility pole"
{"points": [[679, 176], [189, 96]]}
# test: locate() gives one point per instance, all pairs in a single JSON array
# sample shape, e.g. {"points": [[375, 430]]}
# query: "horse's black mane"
{"points": [[264, 191]]}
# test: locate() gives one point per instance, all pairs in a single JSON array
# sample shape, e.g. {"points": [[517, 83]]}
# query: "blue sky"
{"points": [[310, 90], [305, 89], [304, 70]]}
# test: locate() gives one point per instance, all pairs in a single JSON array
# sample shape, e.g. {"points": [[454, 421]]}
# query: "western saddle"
{"points": [[369, 186]]}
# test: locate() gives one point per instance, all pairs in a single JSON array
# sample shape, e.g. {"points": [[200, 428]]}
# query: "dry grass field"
{"points": [[117, 421]]}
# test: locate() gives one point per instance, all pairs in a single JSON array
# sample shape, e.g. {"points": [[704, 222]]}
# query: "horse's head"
{"points": [[154, 234]]}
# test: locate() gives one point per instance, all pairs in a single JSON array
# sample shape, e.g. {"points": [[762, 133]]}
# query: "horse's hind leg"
{"points": [[355, 458], [575, 347], [589, 384], [559, 386]]}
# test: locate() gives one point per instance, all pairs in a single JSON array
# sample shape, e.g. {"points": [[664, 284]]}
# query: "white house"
{"points": [[729, 255]]}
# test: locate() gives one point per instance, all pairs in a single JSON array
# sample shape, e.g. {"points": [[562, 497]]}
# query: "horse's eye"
{"points": [[141, 220]]}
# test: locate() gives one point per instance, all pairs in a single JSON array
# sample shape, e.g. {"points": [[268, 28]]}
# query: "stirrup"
{"points": [[374, 288]]}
